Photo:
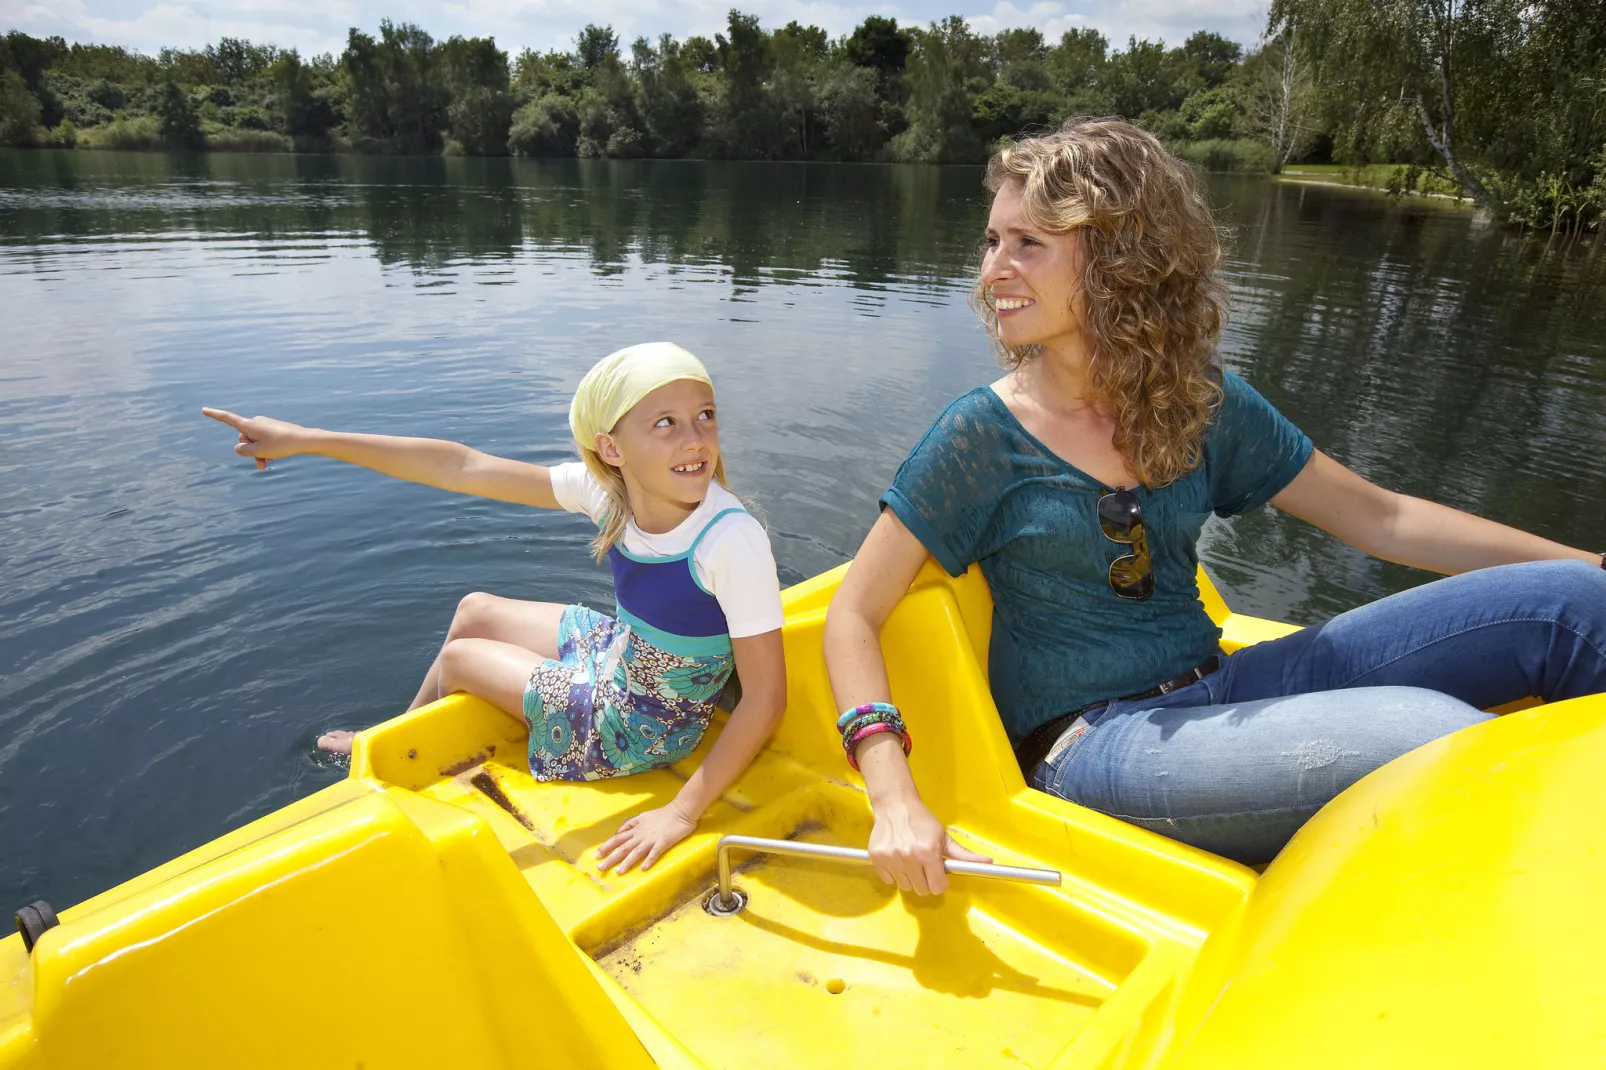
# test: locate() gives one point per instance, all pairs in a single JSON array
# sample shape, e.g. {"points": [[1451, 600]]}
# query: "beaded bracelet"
{"points": [[868, 713], [866, 720], [886, 708], [850, 743], [871, 730], [870, 718]]}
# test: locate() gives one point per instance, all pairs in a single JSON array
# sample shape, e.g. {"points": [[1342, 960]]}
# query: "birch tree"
{"points": [[1420, 53], [1277, 95]]}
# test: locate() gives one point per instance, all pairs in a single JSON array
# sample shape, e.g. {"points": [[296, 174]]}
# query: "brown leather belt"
{"points": [[1032, 749]]}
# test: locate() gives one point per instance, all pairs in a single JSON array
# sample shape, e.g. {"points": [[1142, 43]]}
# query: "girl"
{"points": [[1080, 481], [693, 574]]}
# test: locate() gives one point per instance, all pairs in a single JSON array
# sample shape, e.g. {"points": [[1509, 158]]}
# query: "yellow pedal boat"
{"points": [[441, 909]]}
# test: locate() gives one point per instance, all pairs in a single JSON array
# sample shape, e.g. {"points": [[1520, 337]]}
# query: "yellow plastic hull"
{"points": [[441, 909]]}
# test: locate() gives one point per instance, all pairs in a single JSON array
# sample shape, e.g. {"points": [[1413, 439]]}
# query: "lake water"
{"points": [[176, 627]]}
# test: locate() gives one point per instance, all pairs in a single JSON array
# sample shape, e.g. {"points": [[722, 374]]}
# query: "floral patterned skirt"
{"points": [[614, 704]]}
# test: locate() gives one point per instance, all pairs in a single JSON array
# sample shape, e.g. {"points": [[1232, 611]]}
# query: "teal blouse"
{"points": [[978, 487]]}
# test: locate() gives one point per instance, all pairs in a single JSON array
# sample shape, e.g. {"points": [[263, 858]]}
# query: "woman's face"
{"points": [[1033, 277]]}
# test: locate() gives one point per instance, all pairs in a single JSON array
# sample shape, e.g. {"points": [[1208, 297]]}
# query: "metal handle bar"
{"points": [[854, 854]]}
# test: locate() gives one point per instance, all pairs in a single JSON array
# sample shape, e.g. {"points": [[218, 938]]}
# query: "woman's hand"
{"points": [[644, 838], [908, 844], [262, 438]]}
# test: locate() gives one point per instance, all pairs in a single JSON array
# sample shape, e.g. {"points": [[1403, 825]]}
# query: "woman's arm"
{"points": [[907, 842], [436, 463], [1407, 530], [761, 663]]}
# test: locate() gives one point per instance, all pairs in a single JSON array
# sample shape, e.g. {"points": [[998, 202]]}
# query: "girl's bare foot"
{"points": [[336, 742]]}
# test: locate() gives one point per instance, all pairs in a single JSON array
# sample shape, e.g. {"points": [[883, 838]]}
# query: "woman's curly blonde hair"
{"points": [[1152, 307]]}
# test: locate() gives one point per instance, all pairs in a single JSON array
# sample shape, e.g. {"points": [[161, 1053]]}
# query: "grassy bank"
{"points": [[1397, 178], [143, 134]]}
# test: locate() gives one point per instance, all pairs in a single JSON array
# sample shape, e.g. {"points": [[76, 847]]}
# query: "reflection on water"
{"points": [[176, 627]]}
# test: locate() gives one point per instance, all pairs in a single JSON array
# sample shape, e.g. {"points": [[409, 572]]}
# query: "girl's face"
{"points": [[1033, 277], [668, 444]]}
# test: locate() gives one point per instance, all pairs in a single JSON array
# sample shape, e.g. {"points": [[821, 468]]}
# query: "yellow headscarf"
{"points": [[618, 381]]}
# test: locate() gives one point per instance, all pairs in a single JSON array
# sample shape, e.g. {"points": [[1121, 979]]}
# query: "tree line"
{"points": [[1503, 99]]}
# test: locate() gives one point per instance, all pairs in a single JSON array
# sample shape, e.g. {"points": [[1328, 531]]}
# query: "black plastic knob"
{"points": [[34, 920]]}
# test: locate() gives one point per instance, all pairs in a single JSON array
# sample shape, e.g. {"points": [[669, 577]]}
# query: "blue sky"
{"points": [[315, 26]]}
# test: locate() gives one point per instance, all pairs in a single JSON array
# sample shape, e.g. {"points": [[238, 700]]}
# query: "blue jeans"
{"points": [[1238, 761]]}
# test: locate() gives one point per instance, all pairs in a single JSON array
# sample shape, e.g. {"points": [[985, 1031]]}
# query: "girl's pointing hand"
{"points": [[262, 438]]}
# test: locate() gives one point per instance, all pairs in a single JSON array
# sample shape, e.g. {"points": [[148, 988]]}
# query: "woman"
{"points": [[1080, 481]]}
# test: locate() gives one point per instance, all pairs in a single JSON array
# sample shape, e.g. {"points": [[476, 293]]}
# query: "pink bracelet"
{"points": [[870, 730]]}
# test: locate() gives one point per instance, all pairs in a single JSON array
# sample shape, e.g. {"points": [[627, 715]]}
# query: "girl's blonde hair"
{"points": [[1152, 306], [611, 528]]}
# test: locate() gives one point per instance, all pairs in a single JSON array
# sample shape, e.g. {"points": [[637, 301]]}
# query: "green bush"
{"points": [[108, 95], [64, 135], [1168, 126], [1212, 114], [177, 121], [19, 111], [915, 145], [850, 112], [1411, 178], [479, 119], [922, 144], [549, 125], [142, 133], [1229, 154], [80, 99], [239, 139], [1551, 202]]}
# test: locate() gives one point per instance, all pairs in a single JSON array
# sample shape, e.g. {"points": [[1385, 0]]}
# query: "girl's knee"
{"points": [[474, 610], [455, 658]]}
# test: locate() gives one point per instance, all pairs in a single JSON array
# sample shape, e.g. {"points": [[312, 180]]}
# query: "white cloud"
{"points": [[288, 23], [1048, 16], [1156, 20], [1173, 20], [544, 24]]}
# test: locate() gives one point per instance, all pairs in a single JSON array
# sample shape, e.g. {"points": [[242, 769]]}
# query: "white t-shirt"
{"points": [[733, 561]]}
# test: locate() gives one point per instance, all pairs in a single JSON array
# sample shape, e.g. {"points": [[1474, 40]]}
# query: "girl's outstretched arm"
{"points": [[434, 462], [761, 663]]}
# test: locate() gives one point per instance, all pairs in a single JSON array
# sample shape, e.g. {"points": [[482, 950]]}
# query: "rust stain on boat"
{"points": [[487, 786], [468, 763]]}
